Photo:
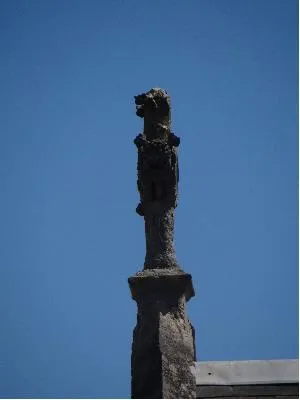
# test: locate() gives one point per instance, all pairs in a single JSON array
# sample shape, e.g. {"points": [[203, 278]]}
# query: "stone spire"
{"points": [[163, 349]]}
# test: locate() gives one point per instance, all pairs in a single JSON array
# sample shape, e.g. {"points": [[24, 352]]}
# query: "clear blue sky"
{"points": [[70, 237]]}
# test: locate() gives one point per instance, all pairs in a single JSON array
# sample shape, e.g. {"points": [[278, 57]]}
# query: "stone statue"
{"points": [[158, 176], [163, 348]]}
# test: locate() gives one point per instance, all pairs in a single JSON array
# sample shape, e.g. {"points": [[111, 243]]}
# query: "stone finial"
{"points": [[163, 348], [158, 176]]}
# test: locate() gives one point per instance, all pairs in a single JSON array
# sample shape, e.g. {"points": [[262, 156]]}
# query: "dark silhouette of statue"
{"points": [[158, 176]]}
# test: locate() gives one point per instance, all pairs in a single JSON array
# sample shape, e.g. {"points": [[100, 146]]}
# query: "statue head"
{"points": [[154, 106], [156, 100]]}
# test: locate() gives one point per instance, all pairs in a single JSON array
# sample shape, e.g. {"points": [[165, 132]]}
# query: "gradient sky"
{"points": [[70, 236]]}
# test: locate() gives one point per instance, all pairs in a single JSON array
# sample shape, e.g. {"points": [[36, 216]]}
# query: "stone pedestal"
{"points": [[163, 349]]}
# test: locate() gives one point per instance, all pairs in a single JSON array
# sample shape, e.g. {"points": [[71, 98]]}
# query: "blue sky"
{"points": [[70, 236]]}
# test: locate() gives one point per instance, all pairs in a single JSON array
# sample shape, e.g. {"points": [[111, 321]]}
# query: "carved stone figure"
{"points": [[158, 176]]}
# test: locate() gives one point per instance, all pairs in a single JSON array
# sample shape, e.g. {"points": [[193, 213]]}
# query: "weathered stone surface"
{"points": [[163, 349], [159, 282], [158, 176]]}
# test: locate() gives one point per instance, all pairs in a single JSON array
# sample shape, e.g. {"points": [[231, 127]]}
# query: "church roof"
{"points": [[247, 372]]}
